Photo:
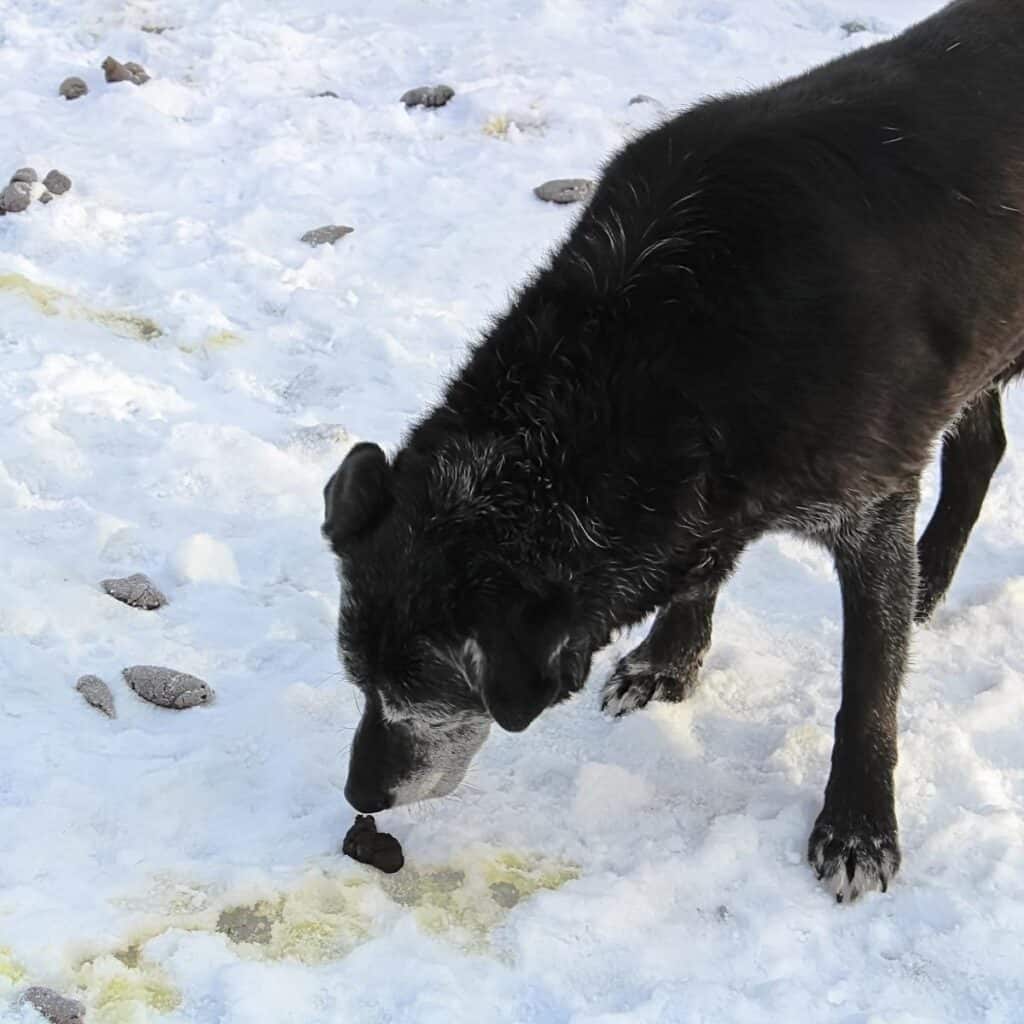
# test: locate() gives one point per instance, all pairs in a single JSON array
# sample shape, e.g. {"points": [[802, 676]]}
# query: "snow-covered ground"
{"points": [[592, 873]]}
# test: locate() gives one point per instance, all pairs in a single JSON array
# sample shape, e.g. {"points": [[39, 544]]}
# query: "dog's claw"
{"points": [[854, 859]]}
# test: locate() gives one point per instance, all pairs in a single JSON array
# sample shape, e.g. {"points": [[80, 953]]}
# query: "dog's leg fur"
{"points": [[970, 454], [665, 665], [854, 844]]}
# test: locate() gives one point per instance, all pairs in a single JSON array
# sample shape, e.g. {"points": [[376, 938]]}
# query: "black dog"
{"points": [[769, 312]]}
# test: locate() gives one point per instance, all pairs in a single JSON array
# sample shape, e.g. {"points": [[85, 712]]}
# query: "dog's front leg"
{"points": [[854, 845]]}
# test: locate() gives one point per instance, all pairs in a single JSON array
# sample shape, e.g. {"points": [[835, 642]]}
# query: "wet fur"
{"points": [[772, 309]]}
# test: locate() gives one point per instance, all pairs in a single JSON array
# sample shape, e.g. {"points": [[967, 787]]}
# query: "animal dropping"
{"points": [[115, 71], [16, 197], [73, 88], [365, 844], [57, 182], [166, 687], [428, 96], [564, 190], [53, 1006], [137, 590], [97, 693], [327, 235]]}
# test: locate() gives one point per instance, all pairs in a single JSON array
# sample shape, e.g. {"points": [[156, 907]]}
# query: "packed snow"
{"points": [[180, 375]]}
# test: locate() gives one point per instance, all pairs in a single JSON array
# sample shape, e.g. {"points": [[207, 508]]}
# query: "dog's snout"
{"points": [[366, 800]]}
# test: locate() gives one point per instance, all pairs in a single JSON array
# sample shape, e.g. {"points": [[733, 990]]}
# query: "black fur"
{"points": [[771, 309]]}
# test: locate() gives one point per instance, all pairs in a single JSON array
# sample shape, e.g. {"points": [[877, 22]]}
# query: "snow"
{"points": [[180, 377]]}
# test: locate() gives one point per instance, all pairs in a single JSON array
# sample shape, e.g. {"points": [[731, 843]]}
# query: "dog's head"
{"points": [[434, 629]]}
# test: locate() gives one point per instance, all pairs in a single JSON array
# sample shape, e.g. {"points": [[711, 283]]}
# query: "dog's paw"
{"points": [[853, 859], [634, 684]]}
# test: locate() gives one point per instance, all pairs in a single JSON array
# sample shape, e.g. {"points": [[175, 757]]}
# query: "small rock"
{"points": [[365, 844], [564, 190], [57, 183], [854, 26], [115, 71], [97, 693], [138, 72], [26, 174], [428, 96], [642, 97], [53, 1006], [72, 88], [137, 590], [46, 197], [167, 688], [16, 197], [156, 30], [327, 93], [327, 235]]}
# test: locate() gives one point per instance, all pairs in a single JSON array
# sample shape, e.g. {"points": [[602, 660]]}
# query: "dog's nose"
{"points": [[366, 801]]}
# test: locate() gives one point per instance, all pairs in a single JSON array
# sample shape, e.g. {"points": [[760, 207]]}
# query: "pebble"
{"points": [[72, 88], [46, 197], [564, 190], [327, 94], [57, 183], [428, 96], [137, 590], [365, 844], [26, 174], [327, 235], [97, 693], [16, 197], [167, 688], [115, 71], [642, 97], [53, 1006]]}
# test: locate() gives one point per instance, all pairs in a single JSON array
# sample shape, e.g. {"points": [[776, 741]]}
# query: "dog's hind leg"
{"points": [[970, 454], [666, 664]]}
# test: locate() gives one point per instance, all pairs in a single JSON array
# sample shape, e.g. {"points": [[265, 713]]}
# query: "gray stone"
{"points": [[46, 197], [16, 197], [72, 88], [564, 190], [97, 693], [642, 97], [166, 687], [137, 71], [327, 94], [57, 183], [137, 590], [155, 30], [26, 174], [115, 71], [428, 96], [53, 1006], [327, 235], [854, 27]]}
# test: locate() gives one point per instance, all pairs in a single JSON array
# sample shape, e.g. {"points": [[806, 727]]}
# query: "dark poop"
{"points": [[365, 844]]}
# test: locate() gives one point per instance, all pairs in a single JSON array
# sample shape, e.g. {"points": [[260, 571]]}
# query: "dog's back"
{"points": [[843, 253]]}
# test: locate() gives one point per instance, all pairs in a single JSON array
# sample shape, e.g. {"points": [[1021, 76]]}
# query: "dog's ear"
{"points": [[357, 495], [520, 674]]}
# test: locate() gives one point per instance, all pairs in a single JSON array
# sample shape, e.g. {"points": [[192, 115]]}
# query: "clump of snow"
{"points": [[204, 559]]}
